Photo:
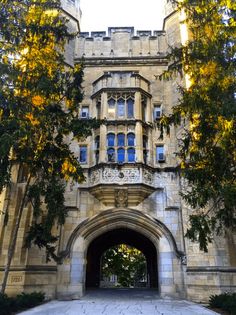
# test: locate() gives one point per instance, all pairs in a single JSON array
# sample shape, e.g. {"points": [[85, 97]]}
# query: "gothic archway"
{"points": [[117, 236], [111, 226]]}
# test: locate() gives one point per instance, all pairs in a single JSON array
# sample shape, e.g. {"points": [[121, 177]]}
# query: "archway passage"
{"points": [[115, 237], [123, 266]]}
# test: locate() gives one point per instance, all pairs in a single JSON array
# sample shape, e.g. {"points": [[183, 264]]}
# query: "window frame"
{"points": [[134, 154], [155, 107], [158, 159], [84, 114], [120, 109], [86, 153]]}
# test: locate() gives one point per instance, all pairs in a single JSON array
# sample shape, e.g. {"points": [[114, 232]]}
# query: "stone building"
{"points": [[131, 192]]}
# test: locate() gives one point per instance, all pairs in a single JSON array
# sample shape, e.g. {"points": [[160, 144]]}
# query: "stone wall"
{"points": [[141, 196]]}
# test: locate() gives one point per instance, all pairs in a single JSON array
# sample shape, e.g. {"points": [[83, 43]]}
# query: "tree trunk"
{"points": [[12, 244]]}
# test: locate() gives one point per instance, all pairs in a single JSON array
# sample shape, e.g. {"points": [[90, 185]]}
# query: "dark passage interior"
{"points": [[115, 237]]}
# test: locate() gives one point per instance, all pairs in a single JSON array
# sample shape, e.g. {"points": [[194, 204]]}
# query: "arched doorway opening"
{"points": [[123, 266], [92, 237], [115, 237]]}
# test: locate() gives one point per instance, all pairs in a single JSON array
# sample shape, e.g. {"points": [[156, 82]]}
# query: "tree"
{"points": [[126, 262], [39, 108], [207, 112]]}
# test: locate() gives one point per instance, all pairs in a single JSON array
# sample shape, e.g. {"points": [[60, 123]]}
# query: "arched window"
{"points": [[130, 108], [145, 142], [131, 155], [131, 139], [97, 156], [111, 155], [120, 155], [120, 140], [110, 140], [121, 107], [83, 154], [97, 146], [97, 143], [111, 108], [98, 107]]}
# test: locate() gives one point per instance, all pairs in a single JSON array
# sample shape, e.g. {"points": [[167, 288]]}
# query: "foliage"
{"points": [[28, 300], [22, 301], [126, 262], [207, 112], [5, 304], [224, 301], [39, 110]]}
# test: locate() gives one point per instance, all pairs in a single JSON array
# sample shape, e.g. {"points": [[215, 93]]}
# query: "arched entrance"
{"points": [[81, 257], [117, 236]]}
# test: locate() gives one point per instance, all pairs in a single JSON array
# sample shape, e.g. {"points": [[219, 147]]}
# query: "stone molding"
{"points": [[211, 269], [123, 174], [93, 227]]}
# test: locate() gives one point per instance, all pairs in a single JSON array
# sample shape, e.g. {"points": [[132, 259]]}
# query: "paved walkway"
{"points": [[120, 302]]}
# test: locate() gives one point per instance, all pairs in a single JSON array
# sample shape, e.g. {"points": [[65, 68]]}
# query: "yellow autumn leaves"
{"points": [[34, 121], [69, 169], [37, 57], [37, 14]]}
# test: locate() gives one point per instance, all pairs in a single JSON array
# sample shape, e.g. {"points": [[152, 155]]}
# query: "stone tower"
{"points": [[131, 192], [72, 12]]}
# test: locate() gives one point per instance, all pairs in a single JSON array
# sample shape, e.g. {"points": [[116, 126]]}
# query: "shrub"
{"points": [[6, 304], [28, 300], [21, 301], [224, 301]]}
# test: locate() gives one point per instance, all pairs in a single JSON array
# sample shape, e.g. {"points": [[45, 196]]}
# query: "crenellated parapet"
{"points": [[122, 42]]}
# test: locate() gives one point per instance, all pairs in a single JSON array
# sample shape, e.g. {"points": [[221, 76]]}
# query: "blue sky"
{"points": [[98, 15]]}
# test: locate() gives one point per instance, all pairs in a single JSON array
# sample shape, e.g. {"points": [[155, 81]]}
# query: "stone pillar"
{"points": [[71, 274], [104, 112], [148, 111], [103, 144], [166, 276], [149, 148], [103, 130], [137, 107], [139, 142]]}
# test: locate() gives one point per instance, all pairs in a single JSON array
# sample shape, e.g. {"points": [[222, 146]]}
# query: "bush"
{"points": [[21, 301], [5, 304], [224, 301], [28, 300]]}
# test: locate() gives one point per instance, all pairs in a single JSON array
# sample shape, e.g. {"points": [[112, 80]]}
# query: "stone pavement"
{"points": [[120, 302]]}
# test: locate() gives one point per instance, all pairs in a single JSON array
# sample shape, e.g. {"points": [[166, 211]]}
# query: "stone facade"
{"points": [[131, 191]]}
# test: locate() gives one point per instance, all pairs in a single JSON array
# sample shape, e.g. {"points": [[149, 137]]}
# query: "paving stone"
{"points": [[120, 302]]}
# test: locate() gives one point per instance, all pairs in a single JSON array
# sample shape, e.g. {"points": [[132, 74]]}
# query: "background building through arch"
{"points": [[114, 237]]}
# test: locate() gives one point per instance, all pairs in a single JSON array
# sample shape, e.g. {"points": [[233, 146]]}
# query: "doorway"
{"points": [[114, 239]]}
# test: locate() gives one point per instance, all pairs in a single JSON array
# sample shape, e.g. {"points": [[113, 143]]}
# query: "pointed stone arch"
{"points": [[74, 257], [119, 217]]}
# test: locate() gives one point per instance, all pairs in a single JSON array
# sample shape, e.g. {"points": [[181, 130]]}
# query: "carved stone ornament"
{"points": [[94, 177], [147, 176], [121, 198], [126, 176]]}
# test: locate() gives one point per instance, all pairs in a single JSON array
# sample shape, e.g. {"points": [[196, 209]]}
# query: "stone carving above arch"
{"points": [[121, 197], [115, 218]]}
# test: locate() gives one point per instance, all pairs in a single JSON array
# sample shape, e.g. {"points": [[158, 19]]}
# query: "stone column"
{"points": [[103, 145], [103, 130], [148, 111], [166, 276], [137, 106], [139, 142], [104, 113]]}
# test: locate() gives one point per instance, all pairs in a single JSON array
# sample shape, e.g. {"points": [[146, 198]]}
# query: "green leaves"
{"points": [[200, 230], [40, 97], [126, 262], [207, 112]]}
